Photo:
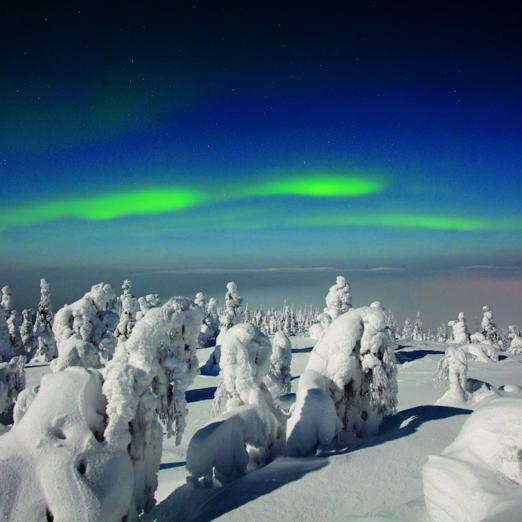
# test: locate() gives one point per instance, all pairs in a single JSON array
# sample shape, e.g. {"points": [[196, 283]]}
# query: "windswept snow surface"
{"points": [[378, 478]]}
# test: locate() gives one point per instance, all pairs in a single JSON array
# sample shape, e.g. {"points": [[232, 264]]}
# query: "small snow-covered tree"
{"points": [[515, 340], [339, 298], [84, 330], [129, 308], [317, 330], [12, 382], [407, 329], [453, 368], [45, 344], [6, 349], [231, 314], [13, 320], [279, 375], [489, 328], [27, 333], [147, 303], [418, 334], [442, 335], [460, 331], [210, 326], [349, 384], [145, 383]]}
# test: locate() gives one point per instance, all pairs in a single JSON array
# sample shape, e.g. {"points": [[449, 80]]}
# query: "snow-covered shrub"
{"points": [[442, 335], [460, 331], [515, 340], [407, 329], [483, 352], [12, 382], [55, 463], [239, 441], [84, 330], [317, 330], [279, 375], [479, 475], [129, 308], [245, 360], [231, 314], [339, 298], [147, 379], [453, 368], [249, 431], [349, 384], [489, 328], [146, 303], [45, 343]]}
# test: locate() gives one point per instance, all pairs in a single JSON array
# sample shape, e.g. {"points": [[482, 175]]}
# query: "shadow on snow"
{"points": [[413, 355], [200, 394]]}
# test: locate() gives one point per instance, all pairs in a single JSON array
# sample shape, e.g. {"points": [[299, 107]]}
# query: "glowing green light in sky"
{"points": [[109, 206], [320, 186]]}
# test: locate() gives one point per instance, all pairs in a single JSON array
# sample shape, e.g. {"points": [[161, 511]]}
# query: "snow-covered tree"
{"points": [[453, 369], [129, 308], [418, 334], [245, 360], [210, 326], [231, 314], [515, 340], [147, 303], [12, 382], [442, 335], [13, 320], [45, 344], [407, 329], [349, 384], [339, 298], [279, 375], [6, 349], [250, 430], [460, 331], [84, 330], [145, 383], [27, 331], [489, 328], [317, 330]]}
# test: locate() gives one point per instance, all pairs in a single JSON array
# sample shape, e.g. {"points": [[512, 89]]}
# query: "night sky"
{"points": [[255, 134]]}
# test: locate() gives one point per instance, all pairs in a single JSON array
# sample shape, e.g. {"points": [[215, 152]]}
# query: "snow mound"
{"points": [[352, 372], [55, 463], [479, 475]]}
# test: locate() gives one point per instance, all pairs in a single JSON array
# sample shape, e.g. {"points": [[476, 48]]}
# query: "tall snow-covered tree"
{"points": [[13, 320], [84, 330], [279, 375], [339, 298], [129, 308], [489, 328], [145, 383], [6, 349], [418, 334], [231, 314], [45, 344], [349, 384], [27, 333]]}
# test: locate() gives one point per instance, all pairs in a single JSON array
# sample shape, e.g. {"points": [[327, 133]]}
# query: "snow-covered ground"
{"points": [[378, 478]]}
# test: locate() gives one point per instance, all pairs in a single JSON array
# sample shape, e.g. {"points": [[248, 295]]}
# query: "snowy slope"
{"points": [[377, 479]]}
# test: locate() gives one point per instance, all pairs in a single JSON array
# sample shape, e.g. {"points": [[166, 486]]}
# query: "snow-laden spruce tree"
{"points": [[210, 326], [453, 369], [279, 375], [6, 349], [145, 383], [44, 341], [349, 383], [84, 330], [515, 340], [27, 332], [231, 313], [129, 308], [407, 329], [489, 328], [13, 320], [442, 335], [418, 334], [12, 382], [249, 430], [339, 298], [460, 330]]}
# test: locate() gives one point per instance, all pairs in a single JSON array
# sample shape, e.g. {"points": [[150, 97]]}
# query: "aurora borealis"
{"points": [[221, 134]]}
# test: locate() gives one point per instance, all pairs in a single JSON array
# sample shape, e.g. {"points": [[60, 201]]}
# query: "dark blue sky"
{"points": [[215, 134]]}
